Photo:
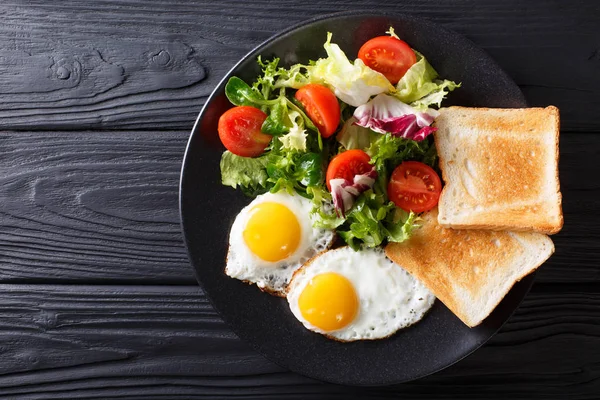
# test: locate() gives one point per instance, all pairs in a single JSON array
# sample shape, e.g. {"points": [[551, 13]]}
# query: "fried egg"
{"points": [[349, 295], [271, 238]]}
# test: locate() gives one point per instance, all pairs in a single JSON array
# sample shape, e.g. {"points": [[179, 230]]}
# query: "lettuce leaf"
{"points": [[250, 173], [294, 171], [420, 82], [295, 139], [402, 225], [435, 97], [278, 169], [394, 150], [353, 83], [276, 77], [372, 220], [295, 77], [353, 136]]}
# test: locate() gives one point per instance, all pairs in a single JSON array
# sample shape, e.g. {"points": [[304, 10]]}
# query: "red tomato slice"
{"points": [[239, 130], [347, 164], [321, 106], [388, 55], [414, 186]]}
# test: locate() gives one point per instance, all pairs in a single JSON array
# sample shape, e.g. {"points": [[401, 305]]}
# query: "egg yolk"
{"points": [[272, 231], [329, 301]]}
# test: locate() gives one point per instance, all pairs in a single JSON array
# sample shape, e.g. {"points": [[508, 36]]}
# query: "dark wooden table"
{"points": [[97, 299]]}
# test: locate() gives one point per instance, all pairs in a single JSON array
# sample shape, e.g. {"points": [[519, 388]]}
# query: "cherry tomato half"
{"points": [[347, 164], [239, 130], [414, 186], [321, 106], [388, 55]]}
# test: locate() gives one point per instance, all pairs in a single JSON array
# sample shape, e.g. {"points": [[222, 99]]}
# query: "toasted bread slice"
{"points": [[470, 271], [500, 167]]}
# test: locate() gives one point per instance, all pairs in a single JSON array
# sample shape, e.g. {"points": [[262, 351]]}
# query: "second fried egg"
{"points": [[356, 295]]}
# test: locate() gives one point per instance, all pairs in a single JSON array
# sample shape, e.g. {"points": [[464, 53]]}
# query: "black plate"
{"points": [[209, 208]]}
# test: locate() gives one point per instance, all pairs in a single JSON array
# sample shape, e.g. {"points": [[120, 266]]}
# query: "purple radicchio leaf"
{"points": [[388, 114], [345, 192]]}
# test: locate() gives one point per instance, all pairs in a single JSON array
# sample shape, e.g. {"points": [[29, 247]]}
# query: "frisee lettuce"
{"points": [[369, 222], [435, 97], [372, 220], [295, 171], [295, 139]]}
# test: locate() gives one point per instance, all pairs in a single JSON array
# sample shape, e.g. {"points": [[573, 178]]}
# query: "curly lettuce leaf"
{"points": [[247, 172], [295, 171], [323, 212], [295, 139], [435, 97], [295, 77], [402, 225], [420, 81], [394, 150], [276, 77], [371, 221]]}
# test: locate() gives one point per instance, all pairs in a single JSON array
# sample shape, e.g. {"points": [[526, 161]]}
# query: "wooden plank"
{"points": [[140, 64], [86, 342], [91, 207], [102, 207]]}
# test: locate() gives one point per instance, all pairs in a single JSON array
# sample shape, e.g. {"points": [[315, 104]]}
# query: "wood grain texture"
{"points": [[89, 342], [95, 203], [91, 207], [137, 64], [101, 207]]}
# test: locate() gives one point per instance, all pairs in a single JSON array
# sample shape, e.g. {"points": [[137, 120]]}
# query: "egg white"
{"points": [[274, 277], [389, 297]]}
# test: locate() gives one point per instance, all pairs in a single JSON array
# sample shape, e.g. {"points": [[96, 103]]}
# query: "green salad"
{"points": [[351, 136]]}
